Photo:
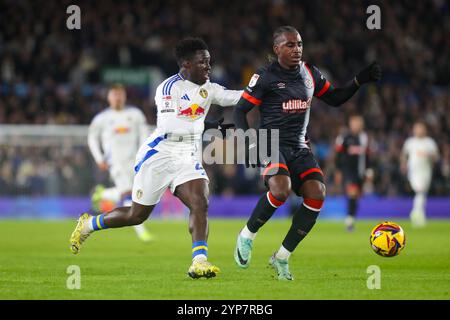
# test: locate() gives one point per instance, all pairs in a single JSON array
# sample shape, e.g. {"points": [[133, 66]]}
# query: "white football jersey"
{"points": [[183, 105], [115, 135], [420, 153]]}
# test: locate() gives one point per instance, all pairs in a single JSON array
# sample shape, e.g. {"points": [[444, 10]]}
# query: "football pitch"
{"points": [[329, 264]]}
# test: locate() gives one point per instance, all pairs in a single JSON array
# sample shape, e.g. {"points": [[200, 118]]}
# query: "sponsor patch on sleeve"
{"points": [[253, 80], [167, 104]]}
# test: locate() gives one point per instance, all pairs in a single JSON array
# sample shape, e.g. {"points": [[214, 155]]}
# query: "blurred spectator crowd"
{"points": [[52, 75]]}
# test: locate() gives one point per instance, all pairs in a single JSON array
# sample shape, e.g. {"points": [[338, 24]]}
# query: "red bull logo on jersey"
{"points": [[296, 106], [121, 130], [194, 111]]}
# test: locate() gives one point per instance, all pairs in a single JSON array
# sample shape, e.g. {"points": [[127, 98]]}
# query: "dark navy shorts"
{"points": [[297, 163]]}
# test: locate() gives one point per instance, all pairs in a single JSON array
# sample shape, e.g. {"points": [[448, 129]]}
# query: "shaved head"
{"points": [[280, 31]]}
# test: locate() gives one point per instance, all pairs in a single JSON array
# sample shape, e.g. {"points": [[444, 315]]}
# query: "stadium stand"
{"points": [[50, 75]]}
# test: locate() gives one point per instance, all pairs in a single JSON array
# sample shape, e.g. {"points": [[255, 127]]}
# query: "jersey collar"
{"points": [[181, 75]]}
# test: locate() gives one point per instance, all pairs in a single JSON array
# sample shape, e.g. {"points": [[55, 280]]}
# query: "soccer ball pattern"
{"points": [[387, 239]]}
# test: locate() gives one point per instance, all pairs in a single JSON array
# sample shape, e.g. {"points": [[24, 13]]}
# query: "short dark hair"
{"points": [[186, 48], [420, 121], [283, 29], [116, 86]]}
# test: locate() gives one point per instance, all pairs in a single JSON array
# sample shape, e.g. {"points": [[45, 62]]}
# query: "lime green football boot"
{"points": [[202, 269], [81, 233]]}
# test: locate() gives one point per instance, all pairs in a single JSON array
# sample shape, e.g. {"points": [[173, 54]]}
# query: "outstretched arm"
{"points": [[337, 96], [251, 97], [224, 97], [240, 114]]}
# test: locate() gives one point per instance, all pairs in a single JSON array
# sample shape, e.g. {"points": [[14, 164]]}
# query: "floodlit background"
{"points": [[53, 81]]}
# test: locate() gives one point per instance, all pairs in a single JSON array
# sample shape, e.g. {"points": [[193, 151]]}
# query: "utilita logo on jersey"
{"points": [[296, 106]]}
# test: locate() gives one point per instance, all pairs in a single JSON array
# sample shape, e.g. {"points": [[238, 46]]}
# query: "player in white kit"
{"points": [[171, 156], [419, 154], [114, 137]]}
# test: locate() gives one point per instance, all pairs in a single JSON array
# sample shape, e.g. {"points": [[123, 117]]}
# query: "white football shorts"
{"points": [[164, 163]]}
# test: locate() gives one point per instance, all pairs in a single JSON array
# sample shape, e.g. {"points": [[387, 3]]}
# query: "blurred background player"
{"points": [[104, 199], [419, 154], [171, 156], [115, 135], [351, 160], [283, 92]]}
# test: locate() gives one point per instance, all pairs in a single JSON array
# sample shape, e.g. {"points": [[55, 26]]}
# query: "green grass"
{"points": [[328, 264]]}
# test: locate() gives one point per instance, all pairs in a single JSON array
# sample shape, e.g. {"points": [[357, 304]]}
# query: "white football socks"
{"points": [[349, 221], [418, 216], [140, 229], [89, 226], [247, 233], [283, 253], [200, 257], [419, 202]]}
